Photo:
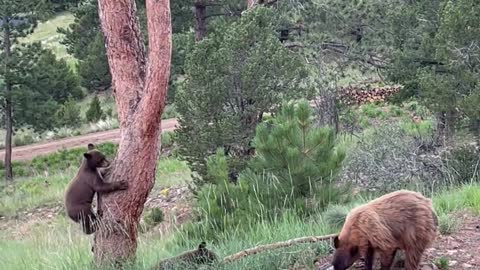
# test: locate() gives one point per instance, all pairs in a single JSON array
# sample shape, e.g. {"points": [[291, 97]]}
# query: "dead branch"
{"points": [[288, 243]]}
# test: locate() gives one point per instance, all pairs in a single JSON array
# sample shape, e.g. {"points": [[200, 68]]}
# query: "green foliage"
{"points": [[153, 217], [447, 224], [464, 163], [292, 172], [94, 112], [41, 83], [335, 216], [94, 69], [442, 263], [240, 72], [68, 115], [301, 155]]}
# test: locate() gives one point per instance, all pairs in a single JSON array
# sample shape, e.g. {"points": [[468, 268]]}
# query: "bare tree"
{"points": [[140, 86]]}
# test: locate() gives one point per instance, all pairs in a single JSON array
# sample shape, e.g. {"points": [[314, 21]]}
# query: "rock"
{"points": [[429, 266], [452, 263], [466, 265]]}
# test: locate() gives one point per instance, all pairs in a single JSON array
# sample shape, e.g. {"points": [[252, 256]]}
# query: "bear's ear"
{"points": [[87, 155], [202, 245], [90, 146], [336, 242]]}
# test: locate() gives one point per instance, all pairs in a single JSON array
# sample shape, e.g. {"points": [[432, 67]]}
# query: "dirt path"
{"points": [[28, 152]]}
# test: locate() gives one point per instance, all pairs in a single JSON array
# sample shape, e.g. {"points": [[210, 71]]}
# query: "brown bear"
{"points": [[199, 256], [87, 182], [399, 220]]}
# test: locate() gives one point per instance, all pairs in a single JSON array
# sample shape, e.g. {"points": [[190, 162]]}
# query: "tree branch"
{"points": [[288, 243]]}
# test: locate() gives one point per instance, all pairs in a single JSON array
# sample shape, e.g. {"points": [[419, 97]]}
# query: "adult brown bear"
{"points": [[399, 220], [87, 182]]}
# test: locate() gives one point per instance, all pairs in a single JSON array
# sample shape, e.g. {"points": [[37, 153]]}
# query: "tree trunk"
{"points": [[440, 128], [450, 122], [8, 103], [140, 92], [200, 20]]}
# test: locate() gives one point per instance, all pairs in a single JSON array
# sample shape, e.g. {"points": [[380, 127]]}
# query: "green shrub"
{"points": [[301, 155], [25, 136], [464, 164], [69, 114], [442, 263], [335, 216], [447, 224], [167, 139], [153, 217], [95, 112], [371, 110]]}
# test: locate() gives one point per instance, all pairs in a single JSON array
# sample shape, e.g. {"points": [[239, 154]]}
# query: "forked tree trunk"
{"points": [[140, 88]]}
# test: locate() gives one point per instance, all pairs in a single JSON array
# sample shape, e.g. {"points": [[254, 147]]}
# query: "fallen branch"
{"points": [[288, 243]]}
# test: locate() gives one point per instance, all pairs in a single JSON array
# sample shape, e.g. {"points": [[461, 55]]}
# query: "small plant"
{"points": [[167, 139], [447, 224], [154, 217], [68, 115], [95, 112], [442, 263], [335, 216]]}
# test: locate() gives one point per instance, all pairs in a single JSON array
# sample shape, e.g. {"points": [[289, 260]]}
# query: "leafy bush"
{"points": [[388, 159], [335, 216], [25, 136], [95, 112]]}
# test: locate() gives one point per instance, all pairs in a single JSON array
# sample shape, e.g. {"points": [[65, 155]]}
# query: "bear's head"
{"points": [[203, 255], [345, 254], [95, 159]]}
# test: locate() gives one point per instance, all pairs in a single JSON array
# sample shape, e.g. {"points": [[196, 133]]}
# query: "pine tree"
{"points": [[17, 19], [95, 112], [68, 115], [233, 77], [303, 156]]}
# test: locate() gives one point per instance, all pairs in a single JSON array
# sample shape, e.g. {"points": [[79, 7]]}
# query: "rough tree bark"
{"points": [[140, 87], [7, 103]]}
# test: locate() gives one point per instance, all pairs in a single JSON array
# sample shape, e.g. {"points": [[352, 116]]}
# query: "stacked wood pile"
{"points": [[357, 95]]}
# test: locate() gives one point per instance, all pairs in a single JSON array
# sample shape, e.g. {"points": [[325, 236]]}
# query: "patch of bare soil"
{"points": [[461, 249]]}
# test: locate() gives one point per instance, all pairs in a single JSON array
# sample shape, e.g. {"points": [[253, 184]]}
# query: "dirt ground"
{"points": [[461, 249], [28, 152]]}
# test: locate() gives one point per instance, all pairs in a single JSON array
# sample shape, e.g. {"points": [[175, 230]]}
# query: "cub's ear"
{"points": [[336, 242], [202, 245], [90, 146], [87, 155]]}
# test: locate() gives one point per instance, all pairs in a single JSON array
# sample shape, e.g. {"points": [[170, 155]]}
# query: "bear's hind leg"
{"points": [[89, 222], [412, 259]]}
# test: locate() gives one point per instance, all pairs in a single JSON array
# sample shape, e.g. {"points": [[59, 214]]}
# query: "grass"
{"points": [[46, 33]]}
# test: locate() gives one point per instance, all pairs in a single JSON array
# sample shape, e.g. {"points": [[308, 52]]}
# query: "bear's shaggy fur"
{"points": [[87, 182], [196, 257], [399, 220]]}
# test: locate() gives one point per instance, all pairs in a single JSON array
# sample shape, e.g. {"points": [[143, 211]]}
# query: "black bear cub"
{"points": [[87, 182]]}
